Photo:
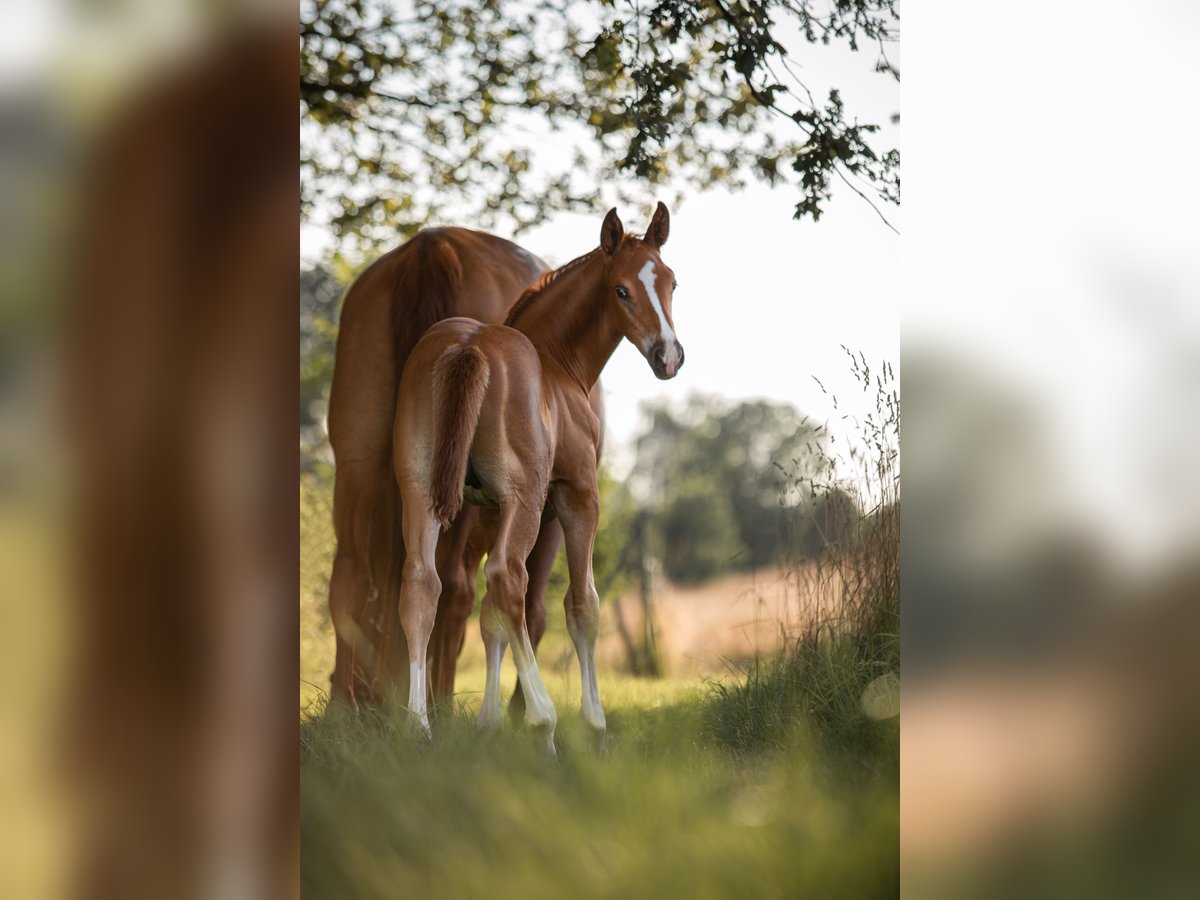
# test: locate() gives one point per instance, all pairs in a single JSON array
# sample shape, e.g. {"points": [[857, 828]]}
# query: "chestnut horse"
{"points": [[441, 272], [502, 411]]}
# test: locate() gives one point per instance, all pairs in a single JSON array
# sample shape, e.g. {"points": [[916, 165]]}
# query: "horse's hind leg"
{"points": [[502, 621], [347, 587], [350, 582], [418, 600], [457, 567], [538, 565]]}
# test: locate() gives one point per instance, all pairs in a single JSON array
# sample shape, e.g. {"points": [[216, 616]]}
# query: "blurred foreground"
{"points": [[1051, 531], [148, 428], [1051, 705]]}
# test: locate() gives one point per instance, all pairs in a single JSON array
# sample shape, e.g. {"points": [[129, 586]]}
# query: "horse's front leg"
{"points": [[539, 566], [578, 508]]}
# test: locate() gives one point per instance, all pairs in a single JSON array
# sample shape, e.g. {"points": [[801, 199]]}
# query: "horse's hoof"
{"points": [[420, 730], [595, 728], [597, 739], [543, 739], [489, 723]]}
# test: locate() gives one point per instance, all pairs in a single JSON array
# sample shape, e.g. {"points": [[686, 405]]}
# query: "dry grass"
{"points": [[703, 628]]}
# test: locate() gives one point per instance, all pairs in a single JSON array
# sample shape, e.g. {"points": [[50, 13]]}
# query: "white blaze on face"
{"points": [[647, 277], [666, 334]]}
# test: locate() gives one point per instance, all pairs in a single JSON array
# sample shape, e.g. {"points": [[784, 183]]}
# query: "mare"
{"points": [[501, 412], [440, 272]]}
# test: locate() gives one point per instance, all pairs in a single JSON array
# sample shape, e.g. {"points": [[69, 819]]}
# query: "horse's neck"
{"points": [[570, 325]]}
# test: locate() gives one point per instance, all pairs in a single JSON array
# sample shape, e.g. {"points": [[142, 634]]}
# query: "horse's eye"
{"points": [[622, 293], [675, 286]]}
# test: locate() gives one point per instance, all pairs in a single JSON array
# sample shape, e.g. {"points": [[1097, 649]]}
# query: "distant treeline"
{"points": [[736, 485]]}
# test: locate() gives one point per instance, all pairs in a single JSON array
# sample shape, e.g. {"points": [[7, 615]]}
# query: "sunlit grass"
{"points": [[733, 787], [670, 811]]}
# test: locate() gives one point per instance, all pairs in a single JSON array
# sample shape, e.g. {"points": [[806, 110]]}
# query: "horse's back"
{"points": [[502, 346]]}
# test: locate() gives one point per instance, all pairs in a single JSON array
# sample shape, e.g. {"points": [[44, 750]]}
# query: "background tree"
{"points": [[320, 302], [700, 534], [415, 111], [713, 473]]}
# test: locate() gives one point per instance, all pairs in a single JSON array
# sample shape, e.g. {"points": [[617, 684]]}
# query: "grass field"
{"points": [[682, 805], [779, 780]]}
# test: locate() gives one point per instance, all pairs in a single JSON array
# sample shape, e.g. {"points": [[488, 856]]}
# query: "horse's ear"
{"points": [[660, 226], [611, 232]]}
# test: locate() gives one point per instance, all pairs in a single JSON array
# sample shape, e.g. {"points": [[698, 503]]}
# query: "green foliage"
{"points": [[714, 472], [316, 565], [320, 300], [845, 662], [829, 525], [414, 113], [699, 533], [818, 686]]}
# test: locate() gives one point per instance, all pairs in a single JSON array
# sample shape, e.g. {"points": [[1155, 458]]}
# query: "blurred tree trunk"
{"points": [[641, 659], [651, 664]]}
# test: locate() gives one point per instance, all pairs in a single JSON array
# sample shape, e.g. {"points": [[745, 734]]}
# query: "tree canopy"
{"points": [[714, 473], [410, 110], [320, 300]]}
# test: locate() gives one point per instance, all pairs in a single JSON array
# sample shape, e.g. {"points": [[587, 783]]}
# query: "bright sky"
{"points": [[1052, 241], [763, 303]]}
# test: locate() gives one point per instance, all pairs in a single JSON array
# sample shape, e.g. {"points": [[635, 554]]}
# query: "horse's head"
{"points": [[640, 286]]}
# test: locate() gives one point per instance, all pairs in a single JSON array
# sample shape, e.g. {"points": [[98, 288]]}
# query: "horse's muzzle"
{"points": [[666, 359]]}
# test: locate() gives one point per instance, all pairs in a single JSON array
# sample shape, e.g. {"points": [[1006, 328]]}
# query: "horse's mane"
{"points": [[543, 281]]}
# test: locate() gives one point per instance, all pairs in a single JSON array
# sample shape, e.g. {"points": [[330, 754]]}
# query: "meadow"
{"points": [[676, 808], [777, 777]]}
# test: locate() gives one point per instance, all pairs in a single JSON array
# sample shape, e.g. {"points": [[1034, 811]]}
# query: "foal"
{"points": [[503, 410]]}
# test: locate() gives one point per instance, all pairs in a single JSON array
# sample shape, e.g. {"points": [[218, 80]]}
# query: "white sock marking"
{"points": [[490, 713], [416, 693]]}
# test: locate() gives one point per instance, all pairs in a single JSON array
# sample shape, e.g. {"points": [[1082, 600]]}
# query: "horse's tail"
{"points": [[460, 380], [426, 283]]}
